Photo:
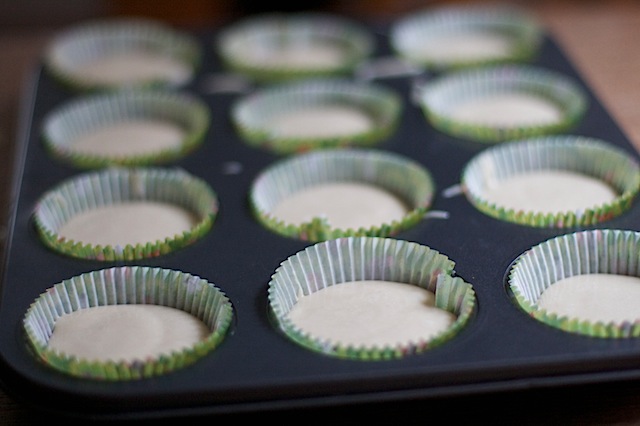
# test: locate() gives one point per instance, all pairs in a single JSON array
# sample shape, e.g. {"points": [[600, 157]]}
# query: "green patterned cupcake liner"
{"points": [[599, 251], [256, 115], [128, 285], [119, 186], [275, 47], [512, 35], [177, 54], [557, 100], [586, 156], [344, 260], [83, 116], [398, 175]]}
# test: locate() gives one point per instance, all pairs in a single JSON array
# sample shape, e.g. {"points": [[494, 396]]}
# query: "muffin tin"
{"points": [[257, 367]]}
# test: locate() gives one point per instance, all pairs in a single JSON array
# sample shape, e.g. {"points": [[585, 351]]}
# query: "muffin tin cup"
{"points": [[254, 114], [248, 47], [439, 98], [582, 155], [519, 31], [121, 185], [92, 40], [87, 114], [368, 258], [598, 251], [392, 172], [128, 285]]}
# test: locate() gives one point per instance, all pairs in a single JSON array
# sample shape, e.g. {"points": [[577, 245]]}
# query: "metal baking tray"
{"points": [[257, 368]]}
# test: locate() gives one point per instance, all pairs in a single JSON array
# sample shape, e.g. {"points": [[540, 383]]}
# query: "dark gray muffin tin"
{"points": [[257, 368]]}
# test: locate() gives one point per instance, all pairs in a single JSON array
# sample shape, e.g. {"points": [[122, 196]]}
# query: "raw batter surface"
{"points": [[371, 313]]}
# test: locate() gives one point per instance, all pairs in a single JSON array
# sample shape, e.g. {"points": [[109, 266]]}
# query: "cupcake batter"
{"points": [[594, 297], [128, 138], [463, 46], [293, 55], [132, 223], [126, 332], [506, 110], [345, 205], [371, 313], [550, 191], [320, 121], [133, 67]]}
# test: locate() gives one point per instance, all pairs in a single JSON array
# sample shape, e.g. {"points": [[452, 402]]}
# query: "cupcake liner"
{"points": [[512, 102], [406, 179], [114, 187], [462, 36], [590, 157], [89, 114], [599, 251], [370, 113], [351, 259], [176, 55], [128, 285], [278, 46]]}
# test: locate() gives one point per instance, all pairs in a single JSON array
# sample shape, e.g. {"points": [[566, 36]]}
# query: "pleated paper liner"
{"points": [[586, 158], [587, 254], [446, 38], [126, 128], [503, 102], [317, 114], [274, 47], [167, 194], [352, 259], [109, 54], [128, 285], [406, 181]]}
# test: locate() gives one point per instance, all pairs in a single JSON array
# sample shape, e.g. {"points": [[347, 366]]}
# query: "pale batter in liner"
{"points": [[293, 55], [133, 67], [130, 137], [594, 297], [371, 313], [345, 205], [125, 332], [506, 110], [549, 191], [464, 46], [127, 323], [128, 223], [321, 121]]}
